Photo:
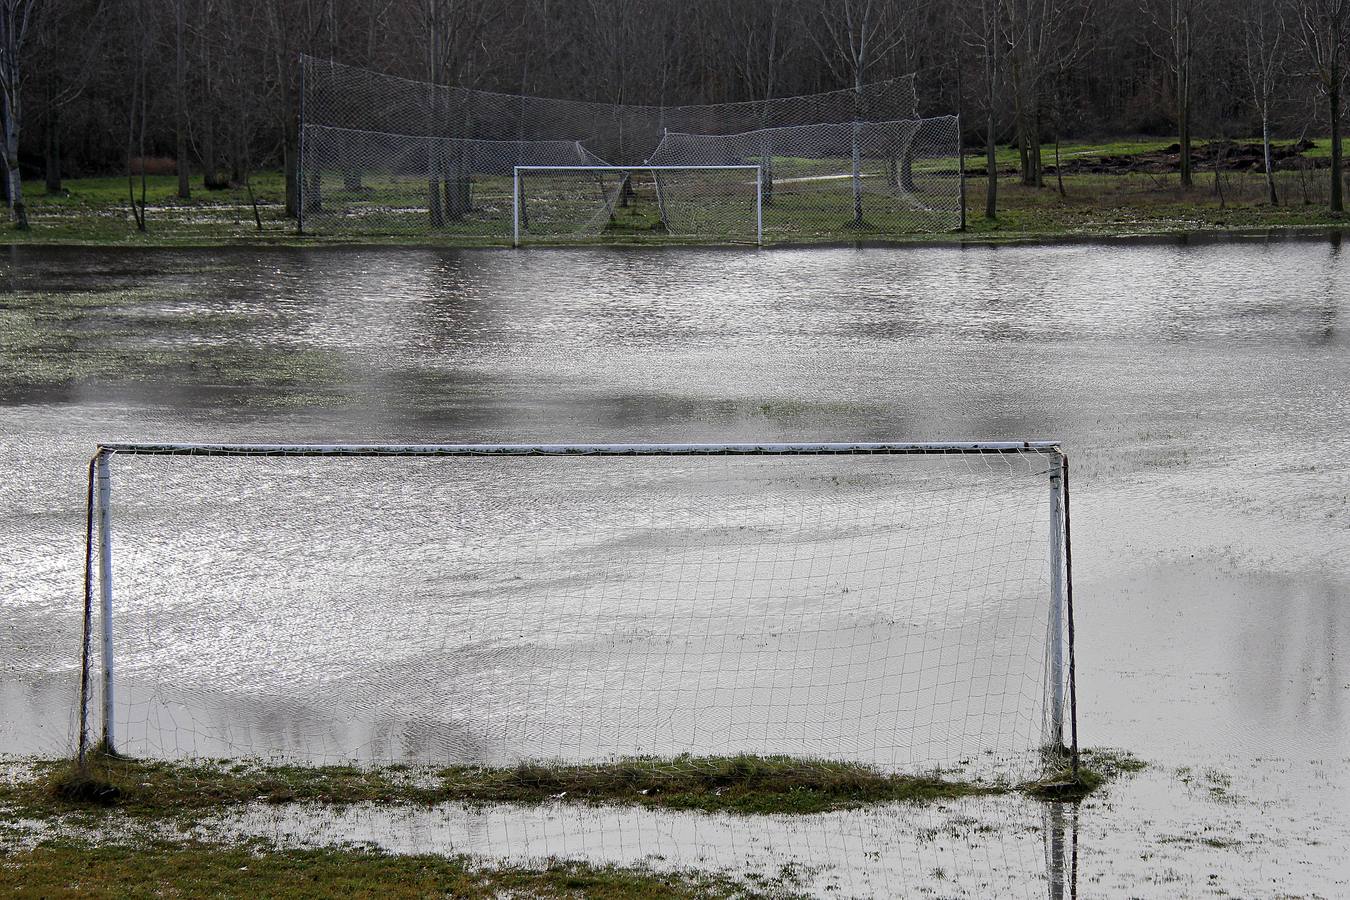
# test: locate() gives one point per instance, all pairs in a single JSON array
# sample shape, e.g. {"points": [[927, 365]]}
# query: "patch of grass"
{"points": [[74, 869], [744, 785], [1096, 768], [741, 784]]}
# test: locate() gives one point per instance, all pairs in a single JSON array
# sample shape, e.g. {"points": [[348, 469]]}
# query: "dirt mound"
{"points": [[1230, 156]]}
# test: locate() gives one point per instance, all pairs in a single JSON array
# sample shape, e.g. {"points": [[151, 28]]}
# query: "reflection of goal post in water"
{"points": [[902, 605], [713, 203]]}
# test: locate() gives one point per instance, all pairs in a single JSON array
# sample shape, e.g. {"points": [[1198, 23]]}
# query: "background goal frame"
{"points": [[516, 210]]}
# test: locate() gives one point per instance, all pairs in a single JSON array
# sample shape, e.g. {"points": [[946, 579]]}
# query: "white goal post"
{"points": [[683, 209], [902, 604]]}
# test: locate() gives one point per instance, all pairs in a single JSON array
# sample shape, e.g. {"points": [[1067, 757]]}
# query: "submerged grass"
{"points": [[194, 869], [746, 785], [167, 852]]}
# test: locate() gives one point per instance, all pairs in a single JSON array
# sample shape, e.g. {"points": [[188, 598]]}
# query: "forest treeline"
{"points": [[102, 86]]}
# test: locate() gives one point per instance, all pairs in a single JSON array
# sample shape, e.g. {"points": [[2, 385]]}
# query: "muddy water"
{"points": [[1201, 392]]}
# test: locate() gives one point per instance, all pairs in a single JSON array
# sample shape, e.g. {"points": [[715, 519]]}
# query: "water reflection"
{"points": [[1004, 848]]}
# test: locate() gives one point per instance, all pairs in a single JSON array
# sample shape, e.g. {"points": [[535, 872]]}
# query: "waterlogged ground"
{"points": [[1201, 392]]}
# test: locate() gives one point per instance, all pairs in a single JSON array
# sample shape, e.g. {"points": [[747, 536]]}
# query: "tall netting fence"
{"points": [[495, 607], [864, 177], [374, 182], [395, 132]]}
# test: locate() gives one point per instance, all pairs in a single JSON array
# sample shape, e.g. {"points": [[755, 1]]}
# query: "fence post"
{"points": [[1055, 670], [300, 172], [759, 206], [961, 170], [515, 206], [105, 594]]}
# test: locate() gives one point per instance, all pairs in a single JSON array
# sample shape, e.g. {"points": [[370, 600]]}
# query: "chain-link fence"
{"points": [[382, 155]]}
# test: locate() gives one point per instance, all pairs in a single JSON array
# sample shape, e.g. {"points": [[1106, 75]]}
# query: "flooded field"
{"points": [[1201, 392]]}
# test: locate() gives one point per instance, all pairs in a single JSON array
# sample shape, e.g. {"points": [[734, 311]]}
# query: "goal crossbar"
{"points": [[517, 171], [691, 449]]}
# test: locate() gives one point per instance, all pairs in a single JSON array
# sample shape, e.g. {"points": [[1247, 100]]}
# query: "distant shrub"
{"points": [[153, 165]]}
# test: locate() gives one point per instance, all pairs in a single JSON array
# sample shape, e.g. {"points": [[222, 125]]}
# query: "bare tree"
{"points": [[66, 43], [1263, 64], [852, 34], [1173, 40], [1042, 37], [15, 18], [136, 39], [180, 99], [984, 32], [1322, 30], [293, 27]]}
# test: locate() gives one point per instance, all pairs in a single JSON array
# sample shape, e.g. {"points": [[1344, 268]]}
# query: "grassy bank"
{"points": [[96, 211]]}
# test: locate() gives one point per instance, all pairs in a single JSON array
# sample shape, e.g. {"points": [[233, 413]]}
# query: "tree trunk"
{"points": [[51, 153], [1184, 130], [1034, 151], [290, 159], [1059, 170], [13, 180], [857, 177], [1337, 186], [907, 163], [208, 135], [991, 166], [351, 166], [1270, 164], [180, 104], [857, 144]]}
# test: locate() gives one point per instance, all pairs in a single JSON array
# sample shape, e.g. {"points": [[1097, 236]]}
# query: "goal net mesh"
{"points": [[381, 154], [884, 177], [704, 203], [892, 610]]}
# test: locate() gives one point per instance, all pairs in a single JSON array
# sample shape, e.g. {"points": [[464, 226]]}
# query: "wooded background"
{"points": [[98, 86]]}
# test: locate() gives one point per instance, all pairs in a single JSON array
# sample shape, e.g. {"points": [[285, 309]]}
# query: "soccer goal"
{"points": [[713, 203], [902, 605]]}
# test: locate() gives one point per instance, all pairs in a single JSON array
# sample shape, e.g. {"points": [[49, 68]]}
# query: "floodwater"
{"points": [[1201, 392]]}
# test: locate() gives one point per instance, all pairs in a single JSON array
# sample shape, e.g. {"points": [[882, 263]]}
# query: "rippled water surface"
{"points": [[1200, 391]]}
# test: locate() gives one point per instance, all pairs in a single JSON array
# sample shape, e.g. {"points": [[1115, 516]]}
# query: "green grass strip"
{"points": [[748, 785], [73, 869]]}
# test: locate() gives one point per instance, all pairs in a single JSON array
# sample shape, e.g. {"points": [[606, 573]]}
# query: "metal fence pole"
{"points": [[300, 154], [1055, 671], [961, 171], [105, 594], [515, 206], [759, 206]]}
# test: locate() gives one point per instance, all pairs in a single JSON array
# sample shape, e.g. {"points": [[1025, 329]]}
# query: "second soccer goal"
{"points": [[716, 204]]}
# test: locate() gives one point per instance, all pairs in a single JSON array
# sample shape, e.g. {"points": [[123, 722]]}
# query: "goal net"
{"points": [[712, 203], [381, 183], [893, 177], [899, 605], [381, 154]]}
